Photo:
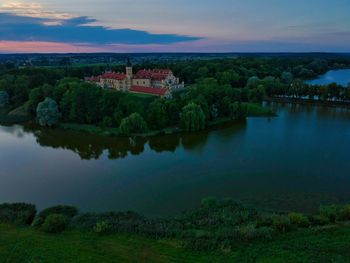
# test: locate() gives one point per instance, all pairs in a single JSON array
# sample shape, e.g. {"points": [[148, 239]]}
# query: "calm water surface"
{"points": [[341, 77], [295, 161]]}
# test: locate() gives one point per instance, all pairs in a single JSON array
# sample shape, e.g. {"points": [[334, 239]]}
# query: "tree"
{"points": [[192, 117], [4, 99], [157, 116], [133, 124], [48, 113], [252, 82], [238, 110], [287, 77]]}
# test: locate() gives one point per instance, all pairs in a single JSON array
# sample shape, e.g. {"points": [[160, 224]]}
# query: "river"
{"points": [[295, 161], [341, 77]]}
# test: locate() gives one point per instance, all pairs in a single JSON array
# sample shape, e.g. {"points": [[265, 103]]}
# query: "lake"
{"points": [[341, 77], [295, 161]]}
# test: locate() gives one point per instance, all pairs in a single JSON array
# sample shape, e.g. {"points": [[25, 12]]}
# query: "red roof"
{"points": [[112, 75], [149, 90], [93, 79], [156, 74]]}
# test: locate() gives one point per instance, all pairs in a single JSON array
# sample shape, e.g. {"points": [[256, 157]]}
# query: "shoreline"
{"points": [[254, 110], [308, 102]]}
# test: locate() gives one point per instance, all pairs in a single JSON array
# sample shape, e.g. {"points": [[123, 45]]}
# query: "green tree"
{"points": [[4, 99], [287, 77], [192, 117], [238, 110], [133, 124], [157, 116], [48, 113]]}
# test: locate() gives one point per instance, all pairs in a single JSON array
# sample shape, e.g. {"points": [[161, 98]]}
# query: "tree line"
{"points": [[219, 88]]}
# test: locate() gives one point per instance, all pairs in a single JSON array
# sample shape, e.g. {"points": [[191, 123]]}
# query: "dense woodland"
{"points": [[219, 88]]}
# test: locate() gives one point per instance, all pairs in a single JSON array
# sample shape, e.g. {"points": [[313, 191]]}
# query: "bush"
{"points": [[55, 223], [17, 213], [281, 223], [102, 227], [126, 222], [265, 233], [332, 212], [344, 213], [248, 233], [299, 219], [67, 211], [264, 220], [319, 220]]}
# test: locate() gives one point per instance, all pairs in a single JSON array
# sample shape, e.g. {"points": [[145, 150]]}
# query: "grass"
{"points": [[20, 245], [92, 129], [256, 110]]}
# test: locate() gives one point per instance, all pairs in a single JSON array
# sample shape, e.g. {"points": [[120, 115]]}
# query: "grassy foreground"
{"points": [[23, 244]]}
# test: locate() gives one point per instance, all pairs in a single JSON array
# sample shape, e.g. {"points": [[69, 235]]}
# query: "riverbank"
{"points": [[11, 117], [308, 102], [23, 244], [19, 245]]}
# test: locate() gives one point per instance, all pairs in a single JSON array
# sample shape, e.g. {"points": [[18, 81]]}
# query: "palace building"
{"points": [[157, 82]]}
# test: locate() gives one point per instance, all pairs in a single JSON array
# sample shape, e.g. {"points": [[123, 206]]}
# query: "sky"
{"points": [[47, 26]]}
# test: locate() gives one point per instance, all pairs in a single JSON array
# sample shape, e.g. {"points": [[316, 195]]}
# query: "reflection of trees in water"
{"points": [[16, 130], [92, 147], [163, 143], [319, 111]]}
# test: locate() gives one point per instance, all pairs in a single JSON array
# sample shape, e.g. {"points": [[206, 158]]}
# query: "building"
{"points": [[157, 82]]}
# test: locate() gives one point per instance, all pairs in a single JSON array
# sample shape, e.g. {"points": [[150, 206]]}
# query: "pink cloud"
{"points": [[58, 47]]}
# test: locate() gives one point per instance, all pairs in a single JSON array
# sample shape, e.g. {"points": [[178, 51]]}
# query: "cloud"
{"points": [[76, 30], [31, 10]]}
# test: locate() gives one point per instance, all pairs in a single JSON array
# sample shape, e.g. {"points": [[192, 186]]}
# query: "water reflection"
{"points": [[295, 161], [90, 147]]}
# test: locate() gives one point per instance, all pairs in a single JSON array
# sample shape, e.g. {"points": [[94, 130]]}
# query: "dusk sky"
{"points": [[174, 26]]}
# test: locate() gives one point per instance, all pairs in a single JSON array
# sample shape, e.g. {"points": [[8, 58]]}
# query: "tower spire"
{"points": [[129, 68]]}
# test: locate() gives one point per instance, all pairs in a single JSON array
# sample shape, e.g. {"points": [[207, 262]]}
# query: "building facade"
{"points": [[157, 82]]}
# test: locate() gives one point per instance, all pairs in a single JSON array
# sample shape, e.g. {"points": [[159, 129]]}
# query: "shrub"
{"points": [[332, 212], [54, 223], [102, 227], [67, 211], [17, 213], [264, 220], [265, 233], [248, 233], [299, 219], [127, 222], [344, 213], [281, 223], [319, 220]]}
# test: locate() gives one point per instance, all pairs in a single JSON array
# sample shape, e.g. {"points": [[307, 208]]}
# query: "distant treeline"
{"points": [[216, 224]]}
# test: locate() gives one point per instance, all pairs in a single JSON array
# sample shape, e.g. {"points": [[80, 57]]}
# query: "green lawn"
{"points": [[21, 245]]}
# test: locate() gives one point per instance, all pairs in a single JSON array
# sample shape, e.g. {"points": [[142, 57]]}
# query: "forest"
{"points": [[218, 90]]}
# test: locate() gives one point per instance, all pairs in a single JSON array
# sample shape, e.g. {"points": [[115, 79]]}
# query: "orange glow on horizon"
{"points": [[42, 47]]}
